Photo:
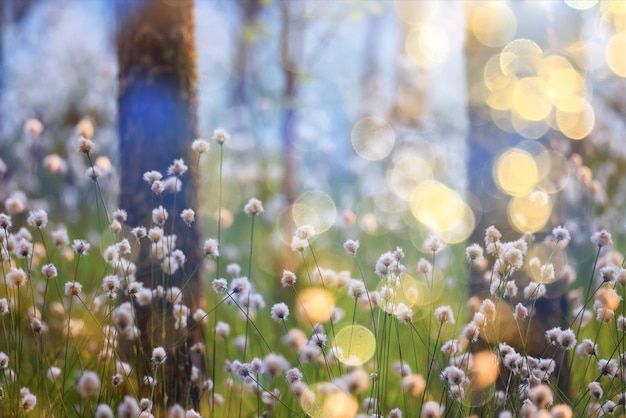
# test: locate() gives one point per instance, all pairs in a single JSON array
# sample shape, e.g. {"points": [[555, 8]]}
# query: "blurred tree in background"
{"points": [[157, 108]]}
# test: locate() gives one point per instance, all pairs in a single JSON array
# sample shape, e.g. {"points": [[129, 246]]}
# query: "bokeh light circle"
{"points": [[326, 400], [485, 369], [520, 57], [373, 138], [427, 45], [314, 208], [416, 12], [515, 172], [554, 172], [578, 124], [615, 56], [581, 4], [315, 305], [529, 213], [442, 210], [494, 24], [546, 252], [355, 345], [408, 170], [531, 100]]}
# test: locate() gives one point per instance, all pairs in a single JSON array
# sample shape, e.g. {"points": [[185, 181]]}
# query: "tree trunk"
{"points": [[157, 123]]}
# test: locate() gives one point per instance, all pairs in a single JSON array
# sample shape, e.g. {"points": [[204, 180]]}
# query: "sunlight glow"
{"points": [[356, 345], [515, 172], [315, 208], [373, 138], [494, 24], [314, 305], [442, 210]]}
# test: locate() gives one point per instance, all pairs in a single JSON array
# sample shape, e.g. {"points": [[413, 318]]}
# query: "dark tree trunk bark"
{"points": [[157, 123]]}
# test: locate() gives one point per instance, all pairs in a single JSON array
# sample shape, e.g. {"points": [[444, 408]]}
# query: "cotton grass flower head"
{"points": [[5, 222], [433, 244], [81, 247], [200, 146], [86, 146], [253, 207], [587, 348], [298, 244], [157, 187], [158, 355], [220, 136], [159, 215], [279, 312], [219, 285], [211, 248], [444, 315], [27, 399], [177, 168], [304, 232], [351, 246], [431, 409], [4, 306], [474, 253], [16, 203], [93, 173], [38, 219], [188, 216], [288, 279], [4, 360], [73, 288], [15, 278], [561, 234], [24, 248], [602, 238], [53, 373], [88, 384]]}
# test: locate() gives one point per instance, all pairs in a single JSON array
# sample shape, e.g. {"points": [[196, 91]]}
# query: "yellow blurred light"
{"points": [[55, 164], [484, 369], [314, 208], [326, 400], [531, 100], [407, 171], [576, 125], [103, 163], [369, 223], [515, 172], [553, 171], [581, 4], [616, 55], [527, 128], [493, 76], [551, 63], [442, 210], [608, 298], [85, 128], [356, 344], [427, 45], [502, 99], [494, 24], [528, 213], [314, 305], [502, 119], [416, 12], [617, 7], [546, 252], [520, 57], [373, 138], [566, 88]]}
